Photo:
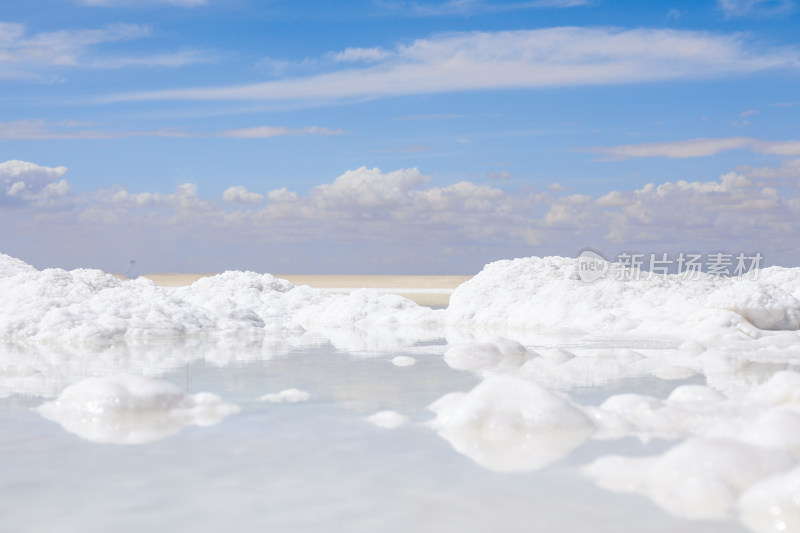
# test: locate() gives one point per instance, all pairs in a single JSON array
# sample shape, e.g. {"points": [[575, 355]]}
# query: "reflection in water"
{"points": [[510, 424], [387, 419], [773, 505], [128, 409], [699, 479], [511, 421]]}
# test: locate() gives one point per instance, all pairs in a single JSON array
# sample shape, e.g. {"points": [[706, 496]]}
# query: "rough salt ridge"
{"points": [[531, 294], [92, 306]]}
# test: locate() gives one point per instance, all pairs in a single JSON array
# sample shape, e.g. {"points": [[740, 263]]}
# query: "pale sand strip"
{"points": [[432, 291]]}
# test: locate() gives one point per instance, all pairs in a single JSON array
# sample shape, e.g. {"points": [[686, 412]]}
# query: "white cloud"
{"points": [[41, 130], [789, 170], [405, 149], [240, 195], [550, 57], [432, 116], [698, 148], [24, 55], [361, 54], [22, 183], [504, 175], [62, 48], [184, 200], [16, 170], [282, 195], [399, 221], [759, 8], [116, 3], [261, 132], [474, 7], [167, 60], [66, 130]]}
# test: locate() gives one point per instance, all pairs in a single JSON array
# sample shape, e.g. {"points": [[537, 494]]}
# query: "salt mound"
{"points": [[531, 295], [129, 409], [787, 279], [11, 266], [547, 294], [507, 424], [90, 305], [94, 307]]}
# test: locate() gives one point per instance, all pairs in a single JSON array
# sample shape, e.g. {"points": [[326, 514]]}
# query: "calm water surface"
{"points": [[310, 466]]}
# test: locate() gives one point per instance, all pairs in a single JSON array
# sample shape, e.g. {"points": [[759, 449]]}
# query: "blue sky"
{"points": [[395, 136]]}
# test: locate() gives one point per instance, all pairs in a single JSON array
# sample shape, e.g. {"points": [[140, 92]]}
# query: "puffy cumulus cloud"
{"points": [[32, 173], [23, 183], [550, 57], [789, 170], [739, 209], [368, 220], [367, 188], [698, 148], [240, 195], [383, 206], [184, 198]]}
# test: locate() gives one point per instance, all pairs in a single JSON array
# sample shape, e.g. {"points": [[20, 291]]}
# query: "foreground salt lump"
{"points": [[129, 409], [773, 505], [698, 479], [507, 424]]}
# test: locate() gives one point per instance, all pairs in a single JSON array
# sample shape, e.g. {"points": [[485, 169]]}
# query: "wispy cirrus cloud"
{"points": [[757, 8], [65, 130], [361, 54], [25, 55], [553, 57], [405, 149], [263, 132], [72, 130], [473, 7], [433, 116], [118, 3], [697, 148]]}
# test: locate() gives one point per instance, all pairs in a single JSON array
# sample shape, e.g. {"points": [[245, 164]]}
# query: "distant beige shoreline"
{"points": [[433, 291]]}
